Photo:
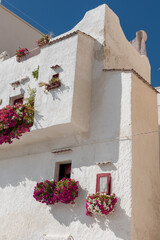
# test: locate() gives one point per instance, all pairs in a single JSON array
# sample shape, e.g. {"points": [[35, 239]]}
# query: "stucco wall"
{"points": [[61, 111], [119, 53], [104, 25], [24, 218], [145, 173], [16, 33]]}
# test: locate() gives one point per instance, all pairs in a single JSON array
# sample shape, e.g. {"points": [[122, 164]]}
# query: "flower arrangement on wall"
{"points": [[67, 190], [55, 82], [44, 192], [21, 53], [50, 192], [43, 41], [100, 203], [16, 119]]}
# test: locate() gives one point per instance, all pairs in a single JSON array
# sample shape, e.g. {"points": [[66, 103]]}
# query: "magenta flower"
{"points": [[100, 203], [14, 121], [50, 192]]}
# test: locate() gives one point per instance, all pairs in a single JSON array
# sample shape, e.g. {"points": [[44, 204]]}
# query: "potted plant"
{"points": [[50, 192], [44, 192], [67, 190], [21, 53], [43, 41], [100, 204], [55, 82]]}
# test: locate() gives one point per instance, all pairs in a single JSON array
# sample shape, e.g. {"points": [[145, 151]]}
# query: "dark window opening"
{"points": [[64, 171], [56, 75], [18, 100]]}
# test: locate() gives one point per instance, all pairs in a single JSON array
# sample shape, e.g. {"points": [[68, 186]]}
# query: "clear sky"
{"points": [[59, 16]]}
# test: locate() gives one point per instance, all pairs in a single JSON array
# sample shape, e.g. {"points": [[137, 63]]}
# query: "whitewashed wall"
{"points": [[21, 167], [24, 163]]}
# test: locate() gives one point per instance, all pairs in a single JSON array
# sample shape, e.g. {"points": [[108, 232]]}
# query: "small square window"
{"points": [[103, 183], [16, 99], [62, 170], [56, 75]]}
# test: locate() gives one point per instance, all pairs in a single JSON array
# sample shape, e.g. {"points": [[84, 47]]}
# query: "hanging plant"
{"points": [[50, 192], [17, 119], [67, 190], [43, 41], [36, 73], [44, 192], [100, 203], [55, 82]]}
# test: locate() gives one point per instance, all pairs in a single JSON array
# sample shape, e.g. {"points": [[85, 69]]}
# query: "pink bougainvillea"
{"points": [[50, 192], [14, 121], [100, 203]]}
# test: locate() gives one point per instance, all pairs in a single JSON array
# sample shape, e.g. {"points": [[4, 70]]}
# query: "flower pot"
{"points": [[53, 85]]}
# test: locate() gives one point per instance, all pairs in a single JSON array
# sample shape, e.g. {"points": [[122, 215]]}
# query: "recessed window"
{"points": [[56, 75], [16, 99], [62, 170], [103, 183]]}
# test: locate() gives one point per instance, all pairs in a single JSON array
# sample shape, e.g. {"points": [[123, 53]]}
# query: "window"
{"points": [[103, 183], [56, 75], [16, 99], [62, 170]]}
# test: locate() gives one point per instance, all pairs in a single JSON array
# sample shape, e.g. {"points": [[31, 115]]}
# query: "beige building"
{"points": [[15, 32]]}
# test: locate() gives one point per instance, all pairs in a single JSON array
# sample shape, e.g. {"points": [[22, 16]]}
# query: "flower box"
{"points": [[56, 84], [53, 83], [21, 54], [43, 41], [100, 204]]}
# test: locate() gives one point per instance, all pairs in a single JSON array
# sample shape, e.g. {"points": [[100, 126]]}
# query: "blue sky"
{"points": [[61, 15]]}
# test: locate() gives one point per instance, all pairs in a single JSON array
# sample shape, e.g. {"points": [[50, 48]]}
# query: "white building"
{"points": [[104, 116]]}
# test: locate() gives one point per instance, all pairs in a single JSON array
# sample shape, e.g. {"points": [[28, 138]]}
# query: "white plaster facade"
{"points": [[91, 113]]}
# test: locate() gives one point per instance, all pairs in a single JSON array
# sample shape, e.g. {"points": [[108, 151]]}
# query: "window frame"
{"points": [[108, 177], [14, 98], [57, 168]]}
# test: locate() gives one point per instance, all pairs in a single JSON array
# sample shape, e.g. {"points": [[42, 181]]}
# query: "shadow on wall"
{"points": [[15, 171], [104, 128], [58, 91], [118, 221]]}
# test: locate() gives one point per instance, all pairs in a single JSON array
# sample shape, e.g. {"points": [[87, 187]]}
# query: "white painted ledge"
{"points": [[57, 237]]}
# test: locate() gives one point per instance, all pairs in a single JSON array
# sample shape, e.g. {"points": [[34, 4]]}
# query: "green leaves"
{"points": [[36, 73]]}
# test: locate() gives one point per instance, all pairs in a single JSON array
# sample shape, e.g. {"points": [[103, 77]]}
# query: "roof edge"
{"points": [[57, 39], [133, 71]]}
